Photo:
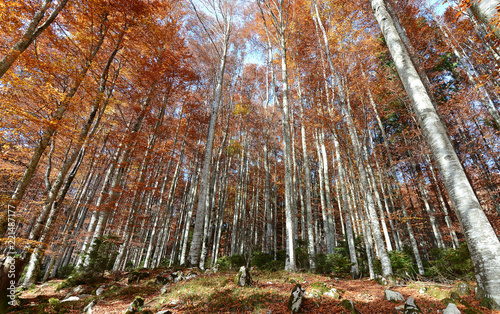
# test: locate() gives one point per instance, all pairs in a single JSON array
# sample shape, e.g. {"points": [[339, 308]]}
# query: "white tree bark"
{"points": [[487, 11], [194, 251], [482, 241], [307, 181], [347, 211]]}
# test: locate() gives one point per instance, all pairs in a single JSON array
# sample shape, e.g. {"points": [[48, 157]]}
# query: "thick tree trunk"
{"points": [[481, 238], [487, 11]]}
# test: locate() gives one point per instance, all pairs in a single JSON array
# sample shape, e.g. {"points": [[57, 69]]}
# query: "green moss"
{"points": [[489, 303], [349, 306], [437, 293], [54, 301], [320, 287]]}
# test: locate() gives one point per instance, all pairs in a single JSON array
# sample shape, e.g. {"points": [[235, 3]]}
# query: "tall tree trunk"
{"points": [[307, 182], [194, 251], [347, 211], [122, 167], [47, 134], [481, 238], [487, 11], [31, 33]]}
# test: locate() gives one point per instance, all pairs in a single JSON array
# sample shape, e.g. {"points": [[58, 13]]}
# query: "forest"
{"points": [[156, 149]]}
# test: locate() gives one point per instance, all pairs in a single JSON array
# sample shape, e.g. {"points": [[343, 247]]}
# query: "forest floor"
{"points": [[217, 293]]}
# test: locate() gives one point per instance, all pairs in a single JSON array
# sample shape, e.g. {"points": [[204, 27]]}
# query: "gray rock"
{"points": [[89, 308], [190, 275], [381, 280], [164, 312], [462, 289], [162, 279], [76, 290], [136, 276], [451, 309], [177, 276], [164, 289], [313, 293], [70, 299], [135, 305], [332, 293], [243, 277], [393, 296], [295, 300], [411, 307], [400, 308], [99, 290], [422, 290]]}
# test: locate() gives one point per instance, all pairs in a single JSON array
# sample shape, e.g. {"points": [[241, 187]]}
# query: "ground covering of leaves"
{"points": [[217, 293]]}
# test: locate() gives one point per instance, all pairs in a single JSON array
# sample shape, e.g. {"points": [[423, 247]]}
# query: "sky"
{"points": [[258, 58]]}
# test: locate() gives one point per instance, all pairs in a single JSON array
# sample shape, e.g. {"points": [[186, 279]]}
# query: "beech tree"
{"points": [[276, 134], [223, 15], [480, 236], [34, 28], [487, 11]]}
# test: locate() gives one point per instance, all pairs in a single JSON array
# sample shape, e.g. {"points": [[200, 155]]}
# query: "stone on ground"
{"points": [[243, 277], [451, 309], [163, 278], [99, 290], [137, 276], [89, 308], [332, 293], [462, 289], [393, 296], [411, 307], [135, 305], [77, 290], [70, 299], [177, 276], [295, 300]]}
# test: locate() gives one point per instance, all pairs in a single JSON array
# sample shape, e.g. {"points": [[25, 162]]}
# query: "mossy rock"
{"points": [[349, 306], [150, 282], [243, 277], [438, 293], [457, 300], [137, 276], [296, 297], [54, 301], [320, 287], [135, 305], [489, 303], [411, 307], [462, 289], [113, 289]]}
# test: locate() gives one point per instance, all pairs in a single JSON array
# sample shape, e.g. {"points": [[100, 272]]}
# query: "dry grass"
{"points": [[217, 293]]}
